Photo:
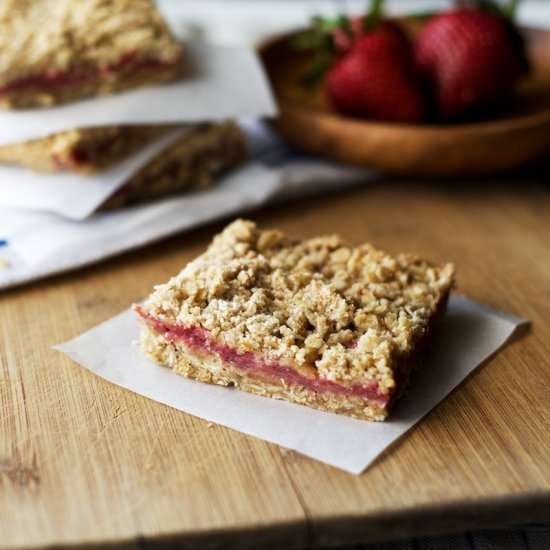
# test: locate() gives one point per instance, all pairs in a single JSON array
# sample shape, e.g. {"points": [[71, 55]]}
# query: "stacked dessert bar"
{"points": [[61, 51]]}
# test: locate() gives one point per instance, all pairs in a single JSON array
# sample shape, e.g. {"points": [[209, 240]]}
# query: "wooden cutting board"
{"points": [[84, 462]]}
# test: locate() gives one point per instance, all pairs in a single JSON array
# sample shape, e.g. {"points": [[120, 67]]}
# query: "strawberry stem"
{"points": [[374, 16]]}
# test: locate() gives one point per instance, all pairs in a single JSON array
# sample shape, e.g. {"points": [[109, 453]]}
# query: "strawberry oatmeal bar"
{"points": [[89, 150], [80, 150], [192, 162], [316, 322], [55, 51]]}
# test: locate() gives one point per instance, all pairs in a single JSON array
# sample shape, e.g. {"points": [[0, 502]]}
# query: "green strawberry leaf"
{"points": [[310, 39], [320, 35], [320, 40], [315, 72]]}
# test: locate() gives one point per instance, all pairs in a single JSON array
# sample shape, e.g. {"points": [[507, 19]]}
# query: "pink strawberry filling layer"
{"points": [[198, 338], [57, 79]]}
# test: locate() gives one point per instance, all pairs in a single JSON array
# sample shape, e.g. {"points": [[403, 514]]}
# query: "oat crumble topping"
{"points": [[348, 312], [54, 36]]}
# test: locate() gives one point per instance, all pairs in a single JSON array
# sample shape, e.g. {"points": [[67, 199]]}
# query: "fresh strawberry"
{"points": [[368, 66], [470, 58], [375, 78]]}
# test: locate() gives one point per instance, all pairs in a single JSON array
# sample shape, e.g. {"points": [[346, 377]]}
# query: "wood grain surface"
{"points": [[85, 462]]}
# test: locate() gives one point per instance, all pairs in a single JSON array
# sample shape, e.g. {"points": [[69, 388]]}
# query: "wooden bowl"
{"points": [[519, 135]]}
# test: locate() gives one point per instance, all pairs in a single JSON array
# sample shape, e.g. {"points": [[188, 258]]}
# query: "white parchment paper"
{"points": [[76, 196], [38, 237], [219, 83], [40, 244], [467, 335]]}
